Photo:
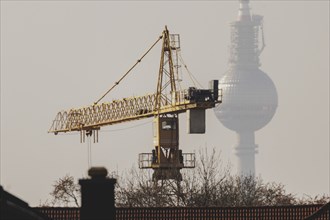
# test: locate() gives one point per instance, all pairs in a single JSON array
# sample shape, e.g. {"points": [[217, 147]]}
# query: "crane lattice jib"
{"points": [[95, 116], [128, 109]]}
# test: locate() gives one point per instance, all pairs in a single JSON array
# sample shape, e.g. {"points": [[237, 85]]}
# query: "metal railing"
{"points": [[145, 160]]}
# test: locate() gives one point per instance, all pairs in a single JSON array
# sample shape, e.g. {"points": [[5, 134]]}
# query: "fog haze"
{"points": [[58, 55]]}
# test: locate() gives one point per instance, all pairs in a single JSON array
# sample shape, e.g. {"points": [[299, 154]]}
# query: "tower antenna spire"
{"points": [[244, 11]]}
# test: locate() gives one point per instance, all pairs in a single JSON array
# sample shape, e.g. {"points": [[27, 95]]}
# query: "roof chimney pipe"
{"points": [[97, 195]]}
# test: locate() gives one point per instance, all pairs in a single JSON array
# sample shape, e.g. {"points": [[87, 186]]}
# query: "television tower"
{"points": [[249, 95]]}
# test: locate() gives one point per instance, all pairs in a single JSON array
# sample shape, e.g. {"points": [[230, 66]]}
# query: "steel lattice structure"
{"points": [[166, 159]]}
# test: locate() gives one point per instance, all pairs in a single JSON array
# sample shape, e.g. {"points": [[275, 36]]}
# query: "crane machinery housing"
{"points": [[166, 159]]}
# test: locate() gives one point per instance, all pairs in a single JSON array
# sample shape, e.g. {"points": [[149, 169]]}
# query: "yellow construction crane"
{"points": [[166, 159]]}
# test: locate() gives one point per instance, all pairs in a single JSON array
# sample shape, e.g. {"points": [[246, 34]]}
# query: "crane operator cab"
{"points": [[166, 132], [167, 160]]}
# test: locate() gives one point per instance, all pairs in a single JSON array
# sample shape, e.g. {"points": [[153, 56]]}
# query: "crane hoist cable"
{"points": [[137, 62], [89, 151]]}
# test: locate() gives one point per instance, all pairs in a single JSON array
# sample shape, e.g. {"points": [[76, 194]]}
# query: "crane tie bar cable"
{"points": [[191, 76], [138, 61]]}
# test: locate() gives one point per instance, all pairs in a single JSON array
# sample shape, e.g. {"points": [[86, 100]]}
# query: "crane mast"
{"points": [[166, 158]]}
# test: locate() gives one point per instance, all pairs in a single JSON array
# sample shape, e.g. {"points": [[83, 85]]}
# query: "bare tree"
{"points": [[204, 181], [210, 184], [215, 186], [318, 199], [137, 189], [65, 192]]}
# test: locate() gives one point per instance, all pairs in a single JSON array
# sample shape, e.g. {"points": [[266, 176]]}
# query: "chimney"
{"points": [[97, 195]]}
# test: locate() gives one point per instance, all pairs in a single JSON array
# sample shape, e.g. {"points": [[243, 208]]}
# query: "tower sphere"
{"points": [[249, 99]]}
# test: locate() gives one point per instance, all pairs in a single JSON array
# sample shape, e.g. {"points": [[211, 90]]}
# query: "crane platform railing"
{"points": [[146, 160]]}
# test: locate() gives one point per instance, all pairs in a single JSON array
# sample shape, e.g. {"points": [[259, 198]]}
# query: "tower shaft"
{"points": [[245, 151]]}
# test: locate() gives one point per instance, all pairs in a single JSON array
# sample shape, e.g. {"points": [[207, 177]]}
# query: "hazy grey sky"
{"points": [[57, 55]]}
